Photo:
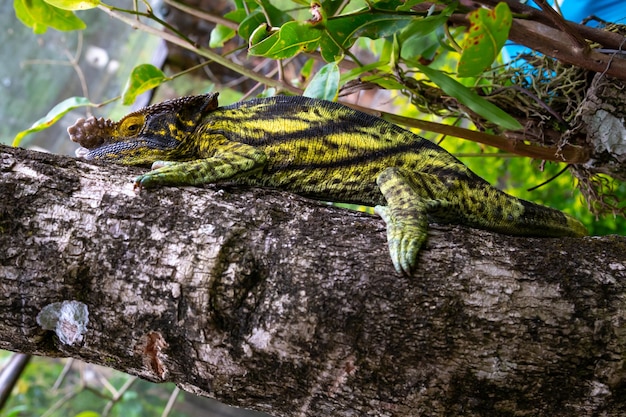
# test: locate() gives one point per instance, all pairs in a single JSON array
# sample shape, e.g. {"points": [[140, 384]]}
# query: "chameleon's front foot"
{"points": [[405, 237], [154, 177]]}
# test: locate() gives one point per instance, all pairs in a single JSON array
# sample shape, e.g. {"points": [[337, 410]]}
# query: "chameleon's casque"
{"points": [[319, 149]]}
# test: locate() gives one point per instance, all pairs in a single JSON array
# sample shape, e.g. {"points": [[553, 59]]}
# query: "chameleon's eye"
{"points": [[131, 125]]}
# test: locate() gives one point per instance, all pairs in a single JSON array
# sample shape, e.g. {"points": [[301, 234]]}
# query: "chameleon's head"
{"points": [[156, 132]]}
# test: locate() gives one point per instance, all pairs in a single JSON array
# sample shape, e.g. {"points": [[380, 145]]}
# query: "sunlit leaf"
{"points": [[16, 411], [40, 15], [470, 99], [88, 414], [144, 77], [325, 84], [53, 116], [487, 33], [74, 4]]}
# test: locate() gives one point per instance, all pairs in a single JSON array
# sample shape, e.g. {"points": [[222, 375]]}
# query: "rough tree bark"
{"points": [[272, 302]]}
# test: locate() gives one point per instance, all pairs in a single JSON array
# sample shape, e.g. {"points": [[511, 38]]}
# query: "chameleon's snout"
{"points": [[83, 153]]}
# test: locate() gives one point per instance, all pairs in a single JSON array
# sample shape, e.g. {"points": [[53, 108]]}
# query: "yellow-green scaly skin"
{"points": [[318, 149]]}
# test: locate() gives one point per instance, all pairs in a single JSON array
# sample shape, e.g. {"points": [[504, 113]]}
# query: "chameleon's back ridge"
{"points": [[318, 149]]}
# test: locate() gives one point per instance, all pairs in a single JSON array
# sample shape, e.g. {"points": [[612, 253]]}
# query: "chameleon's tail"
{"points": [[504, 213], [545, 221], [521, 217]]}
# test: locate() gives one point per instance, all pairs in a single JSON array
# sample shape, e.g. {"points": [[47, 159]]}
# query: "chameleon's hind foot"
{"points": [[405, 237], [406, 217]]}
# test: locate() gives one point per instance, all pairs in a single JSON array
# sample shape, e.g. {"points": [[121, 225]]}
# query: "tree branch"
{"points": [[536, 33], [269, 301]]}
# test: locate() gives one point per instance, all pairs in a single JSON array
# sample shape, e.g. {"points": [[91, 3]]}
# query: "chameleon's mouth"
{"points": [[111, 151], [127, 150]]}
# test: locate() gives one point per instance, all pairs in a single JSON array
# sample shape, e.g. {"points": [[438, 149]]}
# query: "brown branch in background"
{"points": [[559, 22], [554, 43], [602, 37]]}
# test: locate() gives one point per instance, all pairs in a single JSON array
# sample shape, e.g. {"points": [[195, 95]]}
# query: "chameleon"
{"points": [[319, 149]]}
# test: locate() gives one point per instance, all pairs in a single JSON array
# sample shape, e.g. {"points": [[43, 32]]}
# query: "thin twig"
{"points": [[552, 178], [57, 405], [109, 406], [608, 65], [170, 402], [63, 374], [203, 15], [562, 24]]}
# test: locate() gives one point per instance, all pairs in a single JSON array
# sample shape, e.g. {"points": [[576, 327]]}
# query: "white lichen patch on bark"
{"points": [[68, 319]]}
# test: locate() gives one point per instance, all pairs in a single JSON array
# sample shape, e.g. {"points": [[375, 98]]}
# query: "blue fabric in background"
{"points": [[576, 11], [613, 11]]}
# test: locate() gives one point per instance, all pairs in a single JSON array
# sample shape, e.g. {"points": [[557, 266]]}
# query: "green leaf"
{"points": [[341, 31], [307, 69], [260, 34], [40, 15], [74, 4], [487, 33], [144, 77], [422, 26], [237, 15], [219, 35], [251, 23], [334, 37], [16, 411], [292, 38], [53, 116], [275, 16], [423, 36], [419, 46], [470, 99], [330, 7], [408, 4], [390, 5], [325, 84]]}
